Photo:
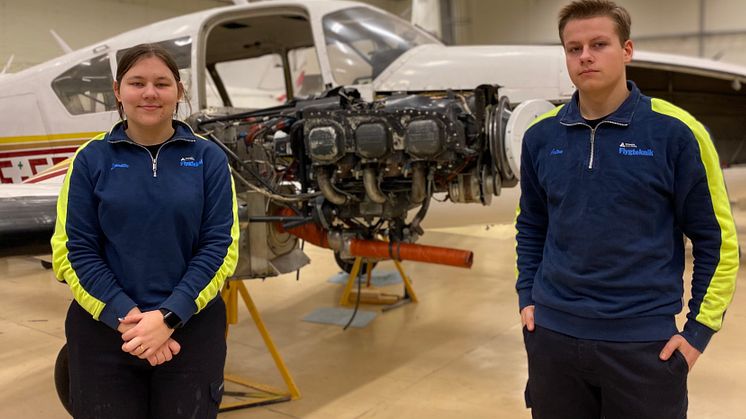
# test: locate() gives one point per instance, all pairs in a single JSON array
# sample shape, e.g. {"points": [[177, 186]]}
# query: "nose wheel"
{"points": [[347, 264]]}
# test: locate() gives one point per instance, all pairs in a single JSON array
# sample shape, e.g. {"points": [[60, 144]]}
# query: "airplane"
{"points": [[316, 61], [339, 120]]}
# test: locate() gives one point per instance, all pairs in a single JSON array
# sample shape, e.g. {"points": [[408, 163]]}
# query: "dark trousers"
{"points": [[571, 378], [106, 382]]}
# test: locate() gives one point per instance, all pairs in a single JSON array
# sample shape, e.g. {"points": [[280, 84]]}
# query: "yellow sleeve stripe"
{"points": [[60, 262], [229, 262], [546, 115], [723, 283], [539, 118]]}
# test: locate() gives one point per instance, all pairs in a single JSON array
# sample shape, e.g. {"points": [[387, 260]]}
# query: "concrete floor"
{"points": [[458, 353]]}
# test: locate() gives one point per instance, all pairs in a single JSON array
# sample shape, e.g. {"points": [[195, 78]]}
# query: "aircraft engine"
{"points": [[356, 169]]}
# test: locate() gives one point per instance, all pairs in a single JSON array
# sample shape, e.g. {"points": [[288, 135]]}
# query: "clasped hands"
{"points": [[146, 336]]}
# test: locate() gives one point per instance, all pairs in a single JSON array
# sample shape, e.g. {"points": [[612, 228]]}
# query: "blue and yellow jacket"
{"points": [[601, 222], [133, 230]]}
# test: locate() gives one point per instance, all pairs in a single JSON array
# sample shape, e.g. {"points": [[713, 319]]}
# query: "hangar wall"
{"points": [[674, 26], [666, 25], [25, 24]]}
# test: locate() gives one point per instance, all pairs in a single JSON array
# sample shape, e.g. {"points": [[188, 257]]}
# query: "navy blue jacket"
{"points": [[133, 230], [601, 222]]}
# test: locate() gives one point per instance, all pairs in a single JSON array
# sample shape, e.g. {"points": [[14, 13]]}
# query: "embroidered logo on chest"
{"points": [[631, 149], [119, 166], [190, 162]]}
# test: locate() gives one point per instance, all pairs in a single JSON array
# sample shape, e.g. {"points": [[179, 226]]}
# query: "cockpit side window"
{"points": [[86, 87]]}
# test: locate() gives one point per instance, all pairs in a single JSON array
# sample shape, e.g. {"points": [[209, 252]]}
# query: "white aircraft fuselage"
{"points": [[42, 122]]}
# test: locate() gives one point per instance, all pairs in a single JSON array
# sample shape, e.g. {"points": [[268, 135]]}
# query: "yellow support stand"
{"points": [[262, 394], [409, 294]]}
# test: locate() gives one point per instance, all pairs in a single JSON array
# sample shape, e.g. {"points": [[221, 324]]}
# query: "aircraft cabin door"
{"points": [[280, 63]]}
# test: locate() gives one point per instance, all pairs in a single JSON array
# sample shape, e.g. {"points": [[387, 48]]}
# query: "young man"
{"points": [[611, 182]]}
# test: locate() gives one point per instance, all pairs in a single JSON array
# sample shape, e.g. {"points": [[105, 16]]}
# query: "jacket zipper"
{"points": [[593, 140], [593, 137], [154, 160], [593, 145]]}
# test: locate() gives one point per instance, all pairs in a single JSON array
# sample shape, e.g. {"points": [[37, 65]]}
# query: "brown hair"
{"points": [[585, 9], [132, 55]]}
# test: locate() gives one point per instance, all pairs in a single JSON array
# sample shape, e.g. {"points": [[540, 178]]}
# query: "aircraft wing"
{"points": [[27, 217]]}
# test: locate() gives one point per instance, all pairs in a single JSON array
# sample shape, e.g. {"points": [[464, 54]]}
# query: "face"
{"points": [[594, 54], [149, 94]]}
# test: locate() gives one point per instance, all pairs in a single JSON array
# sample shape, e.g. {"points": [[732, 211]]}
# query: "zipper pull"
{"points": [[154, 168]]}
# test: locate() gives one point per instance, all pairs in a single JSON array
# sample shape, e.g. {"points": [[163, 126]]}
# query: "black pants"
{"points": [[571, 378], [106, 382]]}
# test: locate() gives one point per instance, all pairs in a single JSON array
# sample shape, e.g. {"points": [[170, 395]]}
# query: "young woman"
{"points": [[146, 233]]}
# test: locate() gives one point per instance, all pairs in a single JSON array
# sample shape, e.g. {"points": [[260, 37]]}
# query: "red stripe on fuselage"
{"points": [[38, 152], [37, 179]]}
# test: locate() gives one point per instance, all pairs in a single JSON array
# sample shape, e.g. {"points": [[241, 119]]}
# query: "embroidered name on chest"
{"points": [[631, 149]]}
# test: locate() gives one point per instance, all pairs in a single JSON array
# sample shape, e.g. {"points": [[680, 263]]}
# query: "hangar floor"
{"points": [[457, 353]]}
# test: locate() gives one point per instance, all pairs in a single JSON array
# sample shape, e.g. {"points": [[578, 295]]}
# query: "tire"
{"points": [[346, 264], [62, 379]]}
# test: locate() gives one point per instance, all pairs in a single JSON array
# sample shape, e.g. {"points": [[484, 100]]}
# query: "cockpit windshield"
{"points": [[362, 42]]}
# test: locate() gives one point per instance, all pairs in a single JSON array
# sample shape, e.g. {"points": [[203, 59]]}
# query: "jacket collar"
{"points": [[623, 115], [182, 131]]}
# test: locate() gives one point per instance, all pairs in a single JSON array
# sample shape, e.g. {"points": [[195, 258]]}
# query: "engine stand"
{"points": [[262, 394], [408, 297]]}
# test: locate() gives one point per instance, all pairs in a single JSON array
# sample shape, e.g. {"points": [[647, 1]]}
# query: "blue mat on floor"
{"points": [[378, 279], [340, 316]]}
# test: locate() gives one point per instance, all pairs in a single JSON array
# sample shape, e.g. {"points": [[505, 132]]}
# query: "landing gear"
{"points": [[346, 264]]}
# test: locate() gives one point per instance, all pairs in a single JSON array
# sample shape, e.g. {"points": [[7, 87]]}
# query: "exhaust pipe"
{"points": [[327, 189], [370, 180]]}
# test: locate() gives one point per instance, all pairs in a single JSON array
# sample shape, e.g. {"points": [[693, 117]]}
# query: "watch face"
{"points": [[171, 319]]}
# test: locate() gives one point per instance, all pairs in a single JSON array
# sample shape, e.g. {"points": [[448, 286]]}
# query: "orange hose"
{"points": [[310, 232], [412, 251], [313, 233]]}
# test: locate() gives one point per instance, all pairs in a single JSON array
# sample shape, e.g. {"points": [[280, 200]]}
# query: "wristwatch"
{"points": [[171, 319]]}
